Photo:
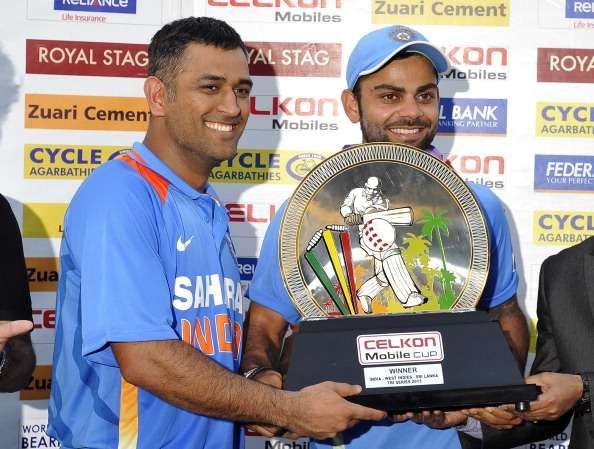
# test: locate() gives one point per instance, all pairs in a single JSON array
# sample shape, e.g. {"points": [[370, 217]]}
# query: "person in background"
{"points": [[392, 92], [149, 307], [17, 357]]}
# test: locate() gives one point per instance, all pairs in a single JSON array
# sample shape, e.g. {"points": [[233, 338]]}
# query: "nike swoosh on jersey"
{"points": [[181, 246]]}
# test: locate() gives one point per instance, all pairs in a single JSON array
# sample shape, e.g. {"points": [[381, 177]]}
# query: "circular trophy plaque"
{"points": [[383, 228]]}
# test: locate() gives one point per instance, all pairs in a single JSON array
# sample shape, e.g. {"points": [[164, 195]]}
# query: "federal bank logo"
{"points": [[111, 6], [247, 267], [562, 173], [46, 161], [308, 12], [293, 113], [436, 12], [476, 63], [43, 220], [564, 119], [265, 167], [473, 116], [294, 59], [579, 9], [80, 58], [565, 65], [47, 111], [563, 228]]}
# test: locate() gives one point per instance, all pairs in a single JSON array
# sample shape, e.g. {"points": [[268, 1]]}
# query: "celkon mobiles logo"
{"points": [[476, 63], [294, 59], [381, 349], [251, 212], [309, 12], [487, 170], [565, 65], [113, 6]]}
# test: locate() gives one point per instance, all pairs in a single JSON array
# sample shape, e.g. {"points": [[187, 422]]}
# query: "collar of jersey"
{"points": [[149, 160]]}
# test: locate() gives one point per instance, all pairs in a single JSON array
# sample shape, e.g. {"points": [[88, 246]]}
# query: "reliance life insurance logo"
{"points": [[110, 6], [562, 173], [579, 9]]}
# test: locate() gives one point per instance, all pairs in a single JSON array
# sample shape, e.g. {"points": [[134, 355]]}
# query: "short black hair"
{"points": [[169, 43], [398, 56]]}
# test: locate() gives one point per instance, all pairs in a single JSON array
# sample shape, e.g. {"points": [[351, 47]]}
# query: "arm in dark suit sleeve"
{"points": [[546, 360]]}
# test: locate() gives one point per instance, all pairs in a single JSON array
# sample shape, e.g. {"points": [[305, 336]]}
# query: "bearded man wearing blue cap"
{"points": [[392, 78]]}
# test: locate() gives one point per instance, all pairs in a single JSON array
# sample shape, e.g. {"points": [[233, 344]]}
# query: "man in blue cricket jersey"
{"points": [[149, 307], [392, 76]]}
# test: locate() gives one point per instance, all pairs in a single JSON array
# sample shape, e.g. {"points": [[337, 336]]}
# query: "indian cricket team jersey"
{"points": [[268, 289], [144, 257]]}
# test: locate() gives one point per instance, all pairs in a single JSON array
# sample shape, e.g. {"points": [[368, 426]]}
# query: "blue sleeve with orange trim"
{"points": [[267, 287], [111, 234], [502, 282]]}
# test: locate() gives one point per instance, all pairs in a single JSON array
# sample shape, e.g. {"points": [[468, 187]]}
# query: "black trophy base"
{"points": [[471, 366]]}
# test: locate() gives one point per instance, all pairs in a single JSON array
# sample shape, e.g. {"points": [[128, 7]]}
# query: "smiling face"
{"points": [[210, 106], [399, 103]]}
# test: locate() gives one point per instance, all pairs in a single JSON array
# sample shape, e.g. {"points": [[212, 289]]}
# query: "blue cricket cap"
{"points": [[375, 49]]}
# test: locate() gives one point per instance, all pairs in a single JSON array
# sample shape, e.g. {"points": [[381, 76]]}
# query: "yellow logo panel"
{"points": [[43, 220], [562, 228], [45, 161], [266, 167], [447, 12], [84, 112], [564, 119]]}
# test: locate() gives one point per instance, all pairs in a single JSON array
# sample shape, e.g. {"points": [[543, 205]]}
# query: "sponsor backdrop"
{"points": [[516, 115]]}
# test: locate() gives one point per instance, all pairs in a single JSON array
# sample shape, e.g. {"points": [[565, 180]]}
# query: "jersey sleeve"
{"points": [[267, 287], [502, 281], [112, 233]]}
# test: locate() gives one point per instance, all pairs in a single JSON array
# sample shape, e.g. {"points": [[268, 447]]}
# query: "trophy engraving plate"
{"points": [[383, 228]]}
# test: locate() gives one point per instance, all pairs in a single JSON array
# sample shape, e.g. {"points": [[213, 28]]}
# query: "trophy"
{"points": [[384, 251]]}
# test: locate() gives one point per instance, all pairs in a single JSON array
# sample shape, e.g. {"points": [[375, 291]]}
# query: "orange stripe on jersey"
{"points": [[128, 430], [159, 183]]}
